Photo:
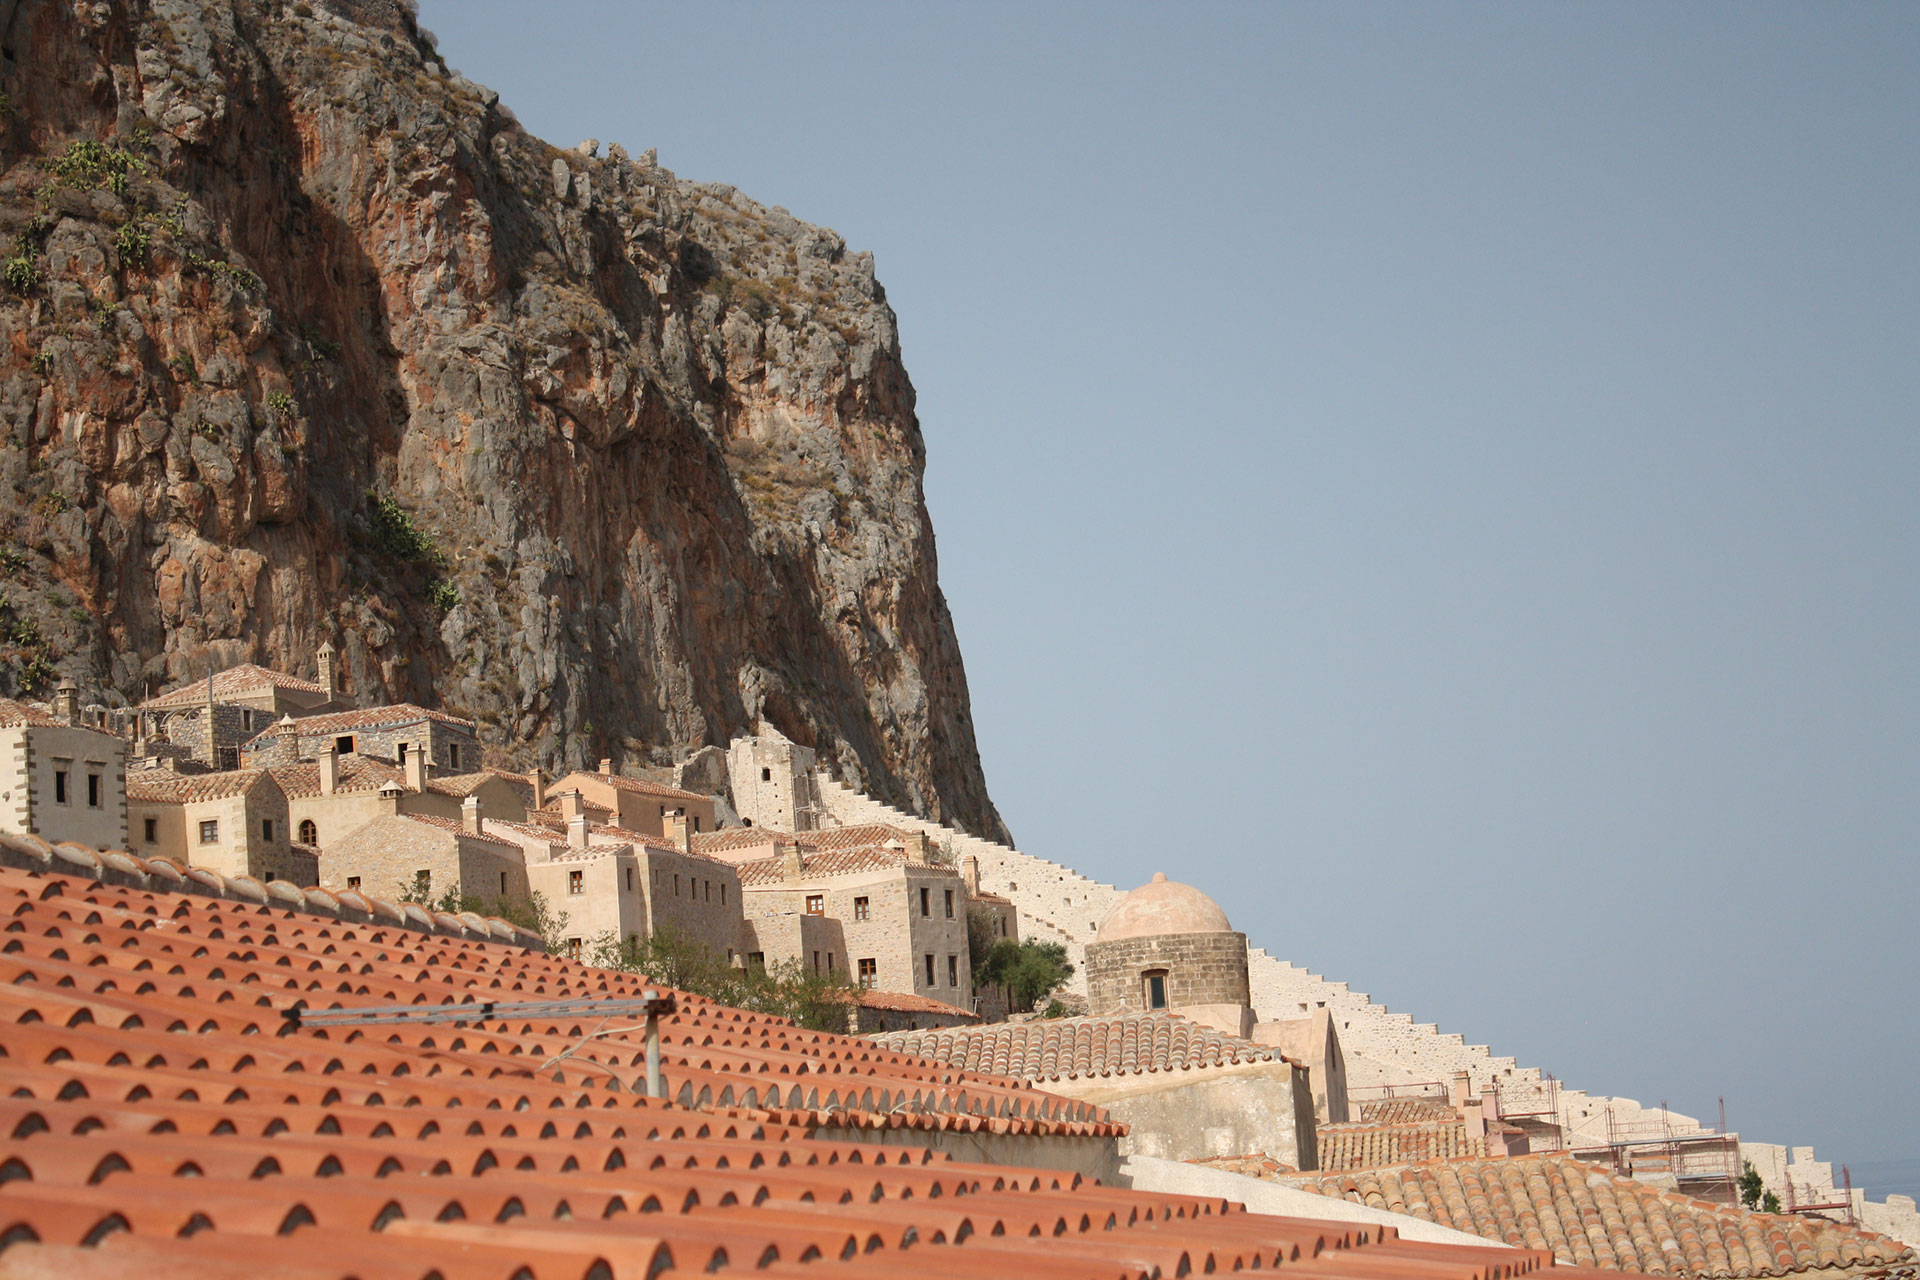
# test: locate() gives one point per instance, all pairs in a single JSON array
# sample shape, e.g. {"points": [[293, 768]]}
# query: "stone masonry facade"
{"points": [[1200, 969]]}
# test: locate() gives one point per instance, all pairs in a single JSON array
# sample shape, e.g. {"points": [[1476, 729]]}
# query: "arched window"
{"points": [[309, 834]]}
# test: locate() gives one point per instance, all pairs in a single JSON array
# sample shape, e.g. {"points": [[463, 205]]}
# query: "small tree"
{"points": [[785, 989], [1027, 969], [1769, 1203], [1751, 1185]]}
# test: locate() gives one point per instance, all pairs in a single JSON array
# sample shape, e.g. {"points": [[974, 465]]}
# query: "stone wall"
{"points": [[1201, 969], [385, 857], [1209, 1111], [29, 759], [893, 934]]}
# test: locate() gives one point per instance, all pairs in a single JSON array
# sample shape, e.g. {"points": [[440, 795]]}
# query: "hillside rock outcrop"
{"points": [[305, 338]]}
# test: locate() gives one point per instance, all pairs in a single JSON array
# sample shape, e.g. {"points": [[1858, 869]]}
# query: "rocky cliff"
{"points": [[306, 338]]}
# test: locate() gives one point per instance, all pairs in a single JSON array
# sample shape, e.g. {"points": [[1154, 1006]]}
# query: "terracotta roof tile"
{"points": [[355, 773], [387, 717], [738, 838], [1063, 1048], [24, 715], [907, 1002], [462, 785], [452, 826], [1588, 1217], [840, 862], [639, 786], [1406, 1111], [1356, 1145], [164, 1119], [232, 682], [165, 786]]}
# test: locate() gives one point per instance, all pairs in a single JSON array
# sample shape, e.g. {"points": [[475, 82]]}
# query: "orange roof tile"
{"points": [[1064, 1048], [738, 838], [1406, 1111], [840, 862], [1369, 1146], [908, 1002], [640, 786], [164, 1119], [387, 717], [24, 715], [1588, 1217], [165, 786], [230, 683], [355, 773]]}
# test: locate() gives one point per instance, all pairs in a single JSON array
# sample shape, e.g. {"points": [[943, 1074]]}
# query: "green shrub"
{"points": [[281, 407], [395, 533], [87, 164], [22, 274], [444, 595], [134, 242]]}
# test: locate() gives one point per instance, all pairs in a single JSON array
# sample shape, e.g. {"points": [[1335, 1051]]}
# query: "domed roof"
{"points": [[1162, 906]]}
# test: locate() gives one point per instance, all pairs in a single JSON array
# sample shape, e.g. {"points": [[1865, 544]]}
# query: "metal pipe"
{"points": [[656, 1087]]}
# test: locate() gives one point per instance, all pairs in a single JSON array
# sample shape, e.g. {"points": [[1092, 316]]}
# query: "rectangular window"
{"points": [[266, 830], [676, 884], [93, 791], [708, 890], [573, 948], [953, 971], [929, 960], [926, 909], [153, 830], [210, 831], [1156, 990], [859, 908], [696, 822], [757, 959], [829, 962], [453, 755], [576, 882], [60, 786], [949, 904], [503, 884], [816, 904], [343, 744], [869, 972], [723, 895], [816, 962], [422, 883], [629, 879], [353, 882]]}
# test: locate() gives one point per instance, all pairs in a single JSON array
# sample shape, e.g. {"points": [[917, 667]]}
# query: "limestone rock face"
{"points": [[305, 338]]}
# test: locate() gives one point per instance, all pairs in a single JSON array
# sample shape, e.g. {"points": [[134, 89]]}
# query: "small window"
{"points": [[816, 904], [829, 962], [629, 879], [343, 744], [926, 908], [576, 882], [453, 755], [766, 775], [859, 908], [953, 971], [246, 721], [153, 830], [266, 830], [423, 883], [707, 890], [869, 972], [1156, 990], [1003, 926], [573, 948], [757, 959], [949, 904], [353, 882], [723, 894], [929, 962], [210, 831], [816, 962], [309, 834], [696, 822], [676, 884], [60, 786], [93, 791], [503, 884]]}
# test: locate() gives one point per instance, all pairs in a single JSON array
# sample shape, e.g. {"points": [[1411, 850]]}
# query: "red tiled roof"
{"points": [[620, 782], [463, 785], [356, 773], [840, 862], [857, 836], [1406, 1110], [453, 827], [387, 717], [1063, 1048], [551, 818], [24, 715], [738, 838], [164, 1120], [908, 1002], [1370, 1146], [1588, 1217], [165, 786], [232, 682]]}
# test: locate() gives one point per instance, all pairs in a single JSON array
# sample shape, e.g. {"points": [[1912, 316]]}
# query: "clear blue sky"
{"points": [[1441, 478]]}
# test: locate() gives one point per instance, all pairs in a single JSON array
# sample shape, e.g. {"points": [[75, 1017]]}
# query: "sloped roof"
{"points": [[1405, 1110], [387, 717], [620, 782], [1589, 1217], [463, 785], [839, 862], [231, 683], [355, 773], [1369, 1146], [453, 828], [857, 836], [165, 786], [738, 838], [24, 715], [164, 1119], [1066, 1048], [908, 1002], [551, 819]]}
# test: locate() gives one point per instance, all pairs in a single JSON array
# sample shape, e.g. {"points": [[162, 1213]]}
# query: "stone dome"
{"points": [[1162, 906]]}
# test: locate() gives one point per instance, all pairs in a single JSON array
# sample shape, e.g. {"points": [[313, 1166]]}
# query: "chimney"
{"points": [[1458, 1089], [577, 830], [470, 816], [680, 831], [413, 758], [572, 806], [791, 865], [539, 788], [606, 765], [329, 769], [917, 848], [970, 872], [390, 796], [288, 750], [66, 703], [323, 664]]}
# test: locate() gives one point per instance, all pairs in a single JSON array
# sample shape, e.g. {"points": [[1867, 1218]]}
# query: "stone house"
{"points": [[638, 804], [333, 796], [1185, 1091], [423, 857], [233, 822], [387, 733], [891, 919], [238, 703], [61, 779]]}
